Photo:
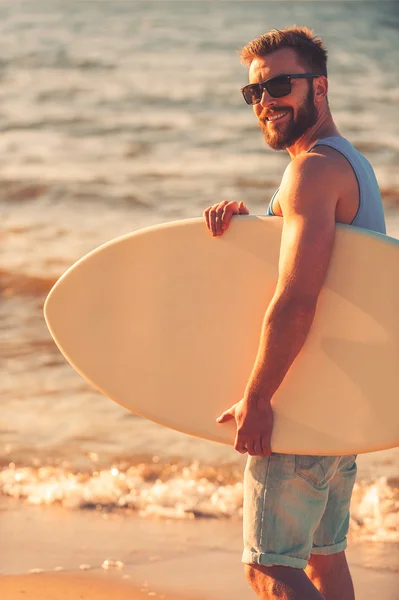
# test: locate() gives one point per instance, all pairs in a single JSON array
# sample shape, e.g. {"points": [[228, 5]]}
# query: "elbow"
{"points": [[297, 308]]}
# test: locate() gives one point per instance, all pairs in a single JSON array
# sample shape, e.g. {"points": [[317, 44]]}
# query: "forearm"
{"points": [[284, 332]]}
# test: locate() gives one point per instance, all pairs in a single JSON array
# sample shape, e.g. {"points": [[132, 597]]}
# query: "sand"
{"points": [[73, 586], [185, 560]]}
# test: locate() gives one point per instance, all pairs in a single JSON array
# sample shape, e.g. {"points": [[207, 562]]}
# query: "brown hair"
{"points": [[309, 48]]}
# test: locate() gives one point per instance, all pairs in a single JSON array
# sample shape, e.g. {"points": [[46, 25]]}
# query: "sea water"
{"points": [[119, 115]]}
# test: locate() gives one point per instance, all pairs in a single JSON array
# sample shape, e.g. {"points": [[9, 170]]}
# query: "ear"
{"points": [[320, 89]]}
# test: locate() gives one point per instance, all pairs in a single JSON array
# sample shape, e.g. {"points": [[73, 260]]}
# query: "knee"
{"points": [[324, 564], [266, 582], [258, 580], [251, 577]]}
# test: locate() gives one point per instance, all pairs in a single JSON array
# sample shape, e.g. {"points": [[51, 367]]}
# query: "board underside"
{"points": [[166, 322]]}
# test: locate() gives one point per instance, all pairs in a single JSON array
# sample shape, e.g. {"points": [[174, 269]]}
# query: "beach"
{"points": [[116, 116], [51, 554]]}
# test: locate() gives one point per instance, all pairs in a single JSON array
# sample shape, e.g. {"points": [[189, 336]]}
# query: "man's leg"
{"points": [[284, 583], [282, 509], [330, 575]]}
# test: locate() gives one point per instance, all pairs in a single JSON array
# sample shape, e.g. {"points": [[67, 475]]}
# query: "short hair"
{"points": [[309, 48]]}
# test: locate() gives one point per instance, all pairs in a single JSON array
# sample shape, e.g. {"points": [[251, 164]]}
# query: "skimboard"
{"points": [[166, 322]]}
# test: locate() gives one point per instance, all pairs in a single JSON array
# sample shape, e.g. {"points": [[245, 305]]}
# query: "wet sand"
{"points": [[176, 560], [65, 586]]}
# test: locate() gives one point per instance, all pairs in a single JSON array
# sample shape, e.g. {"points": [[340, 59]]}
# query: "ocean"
{"points": [[119, 115]]}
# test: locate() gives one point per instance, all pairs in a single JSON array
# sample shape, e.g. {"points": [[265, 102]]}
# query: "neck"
{"points": [[324, 127]]}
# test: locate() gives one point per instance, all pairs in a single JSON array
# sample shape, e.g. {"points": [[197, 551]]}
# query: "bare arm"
{"points": [[308, 201], [308, 197]]}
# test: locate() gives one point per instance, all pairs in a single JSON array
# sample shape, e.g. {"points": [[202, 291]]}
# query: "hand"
{"points": [[254, 427], [218, 216]]}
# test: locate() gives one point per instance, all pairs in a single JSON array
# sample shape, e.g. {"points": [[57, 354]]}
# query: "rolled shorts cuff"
{"points": [[268, 560], [333, 549]]}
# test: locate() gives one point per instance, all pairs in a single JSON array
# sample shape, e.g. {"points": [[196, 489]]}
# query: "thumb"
{"points": [[243, 210], [226, 416]]}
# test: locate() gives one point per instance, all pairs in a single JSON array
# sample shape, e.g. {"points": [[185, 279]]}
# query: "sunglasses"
{"points": [[277, 87]]}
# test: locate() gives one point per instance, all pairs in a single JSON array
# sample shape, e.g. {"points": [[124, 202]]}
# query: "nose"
{"points": [[266, 99]]}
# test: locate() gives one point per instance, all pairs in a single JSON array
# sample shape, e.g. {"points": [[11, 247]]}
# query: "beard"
{"points": [[292, 129]]}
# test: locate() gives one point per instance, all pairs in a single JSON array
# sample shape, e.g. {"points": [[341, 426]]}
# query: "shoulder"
{"points": [[313, 181], [323, 162]]}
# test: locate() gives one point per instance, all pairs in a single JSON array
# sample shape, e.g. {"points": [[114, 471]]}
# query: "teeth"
{"points": [[275, 117]]}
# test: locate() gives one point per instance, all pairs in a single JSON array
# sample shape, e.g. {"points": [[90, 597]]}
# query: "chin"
{"points": [[276, 143]]}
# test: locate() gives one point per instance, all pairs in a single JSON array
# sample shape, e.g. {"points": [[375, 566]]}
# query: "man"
{"points": [[296, 508]]}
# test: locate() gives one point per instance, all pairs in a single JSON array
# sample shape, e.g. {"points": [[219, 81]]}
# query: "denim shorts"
{"points": [[295, 506]]}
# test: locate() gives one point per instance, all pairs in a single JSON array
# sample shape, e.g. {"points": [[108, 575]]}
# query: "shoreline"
{"points": [[160, 558]]}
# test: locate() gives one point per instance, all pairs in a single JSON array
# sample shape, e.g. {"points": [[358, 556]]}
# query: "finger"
{"points": [[226, 416], [212, 221], [257, 447], [218, 223], [251, 446], [207, 218], [240, 446], [220, 215], [228, 211], [243, 210], [265, 446]]}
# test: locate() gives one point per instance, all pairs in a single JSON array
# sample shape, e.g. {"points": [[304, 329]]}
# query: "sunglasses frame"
{"points": [[264, 84]]}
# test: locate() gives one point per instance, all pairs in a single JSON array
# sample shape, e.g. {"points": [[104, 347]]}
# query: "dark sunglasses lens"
{"points": [[252, 93], [279, 86]]}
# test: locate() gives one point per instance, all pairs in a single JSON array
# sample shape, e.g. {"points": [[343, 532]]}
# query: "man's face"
{"points": [[298, 111]]}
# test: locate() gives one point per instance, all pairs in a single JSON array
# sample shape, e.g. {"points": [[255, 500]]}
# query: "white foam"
{"points": [[183, 494]]}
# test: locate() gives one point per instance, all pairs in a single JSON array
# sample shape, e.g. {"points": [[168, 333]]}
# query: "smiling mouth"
{"points": [[277, 116]]}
